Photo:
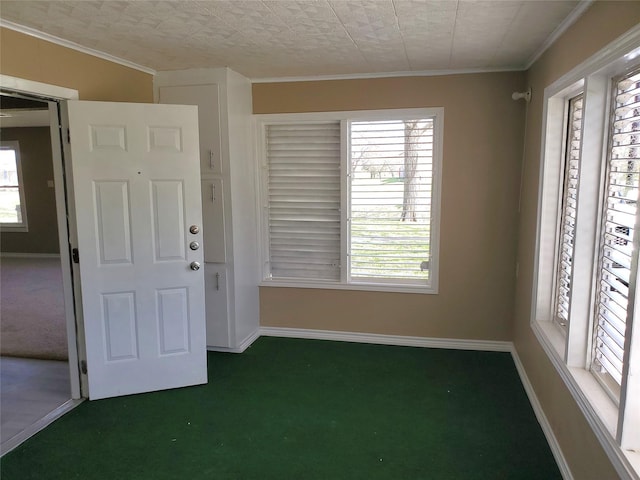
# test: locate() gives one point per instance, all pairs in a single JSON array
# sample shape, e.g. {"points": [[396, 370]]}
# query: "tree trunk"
{"points": [[411, 140]]}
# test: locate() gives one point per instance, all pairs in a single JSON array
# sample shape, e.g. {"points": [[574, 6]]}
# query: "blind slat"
{"points": [[303, 162]]}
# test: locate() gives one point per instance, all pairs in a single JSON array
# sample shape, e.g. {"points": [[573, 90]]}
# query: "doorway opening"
{"points": [[39, 368]]}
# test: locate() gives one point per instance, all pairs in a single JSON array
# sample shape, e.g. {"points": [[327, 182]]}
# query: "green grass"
{"points": [[307, 409], [395, 247], [382, 245]]}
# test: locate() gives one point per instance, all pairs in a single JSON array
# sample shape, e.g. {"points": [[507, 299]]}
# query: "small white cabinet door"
{"points": [[136, 192], [213, 215], [205, 97], [218, 327]]}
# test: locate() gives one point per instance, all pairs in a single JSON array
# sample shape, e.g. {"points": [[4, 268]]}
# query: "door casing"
{"points": [[53, 94]]}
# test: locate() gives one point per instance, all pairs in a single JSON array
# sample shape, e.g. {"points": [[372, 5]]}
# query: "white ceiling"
{"points": [[293, 38]]}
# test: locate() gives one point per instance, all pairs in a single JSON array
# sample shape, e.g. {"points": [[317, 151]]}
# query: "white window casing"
{"points": [[334, 199], [584, 299]]}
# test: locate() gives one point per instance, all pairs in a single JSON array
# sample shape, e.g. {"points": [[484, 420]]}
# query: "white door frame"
{"points": [[48, 93]]}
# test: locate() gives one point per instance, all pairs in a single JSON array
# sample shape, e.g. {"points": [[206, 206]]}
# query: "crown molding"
{"points": [[360, 76], [73, 46], [583, 6]]}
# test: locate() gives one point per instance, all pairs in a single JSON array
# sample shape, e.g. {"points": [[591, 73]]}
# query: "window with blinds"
{"points": [[390, 200], [567, 232], [618, 258], [13, 215], [351, 199], [303, 162]]}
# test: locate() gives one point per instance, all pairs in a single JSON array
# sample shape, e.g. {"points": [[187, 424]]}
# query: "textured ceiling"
{"points": [[280, 38]]}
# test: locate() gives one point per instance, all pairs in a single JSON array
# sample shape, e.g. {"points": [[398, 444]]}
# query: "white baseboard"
{"points": [[450, 343], [244, 344], [34, 428], [561, 461], [29, 255]]}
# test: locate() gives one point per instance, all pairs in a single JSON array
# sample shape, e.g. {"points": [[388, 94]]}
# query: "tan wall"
{"points": [[37, 168], [601, 24], [481, 174], [29, 58]]}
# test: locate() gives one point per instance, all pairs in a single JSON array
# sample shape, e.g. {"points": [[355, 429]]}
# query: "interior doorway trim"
{"points": [[29, 87], [53, 94]]}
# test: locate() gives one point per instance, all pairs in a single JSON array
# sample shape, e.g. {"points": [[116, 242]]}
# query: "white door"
{"points": [[136, 192]]}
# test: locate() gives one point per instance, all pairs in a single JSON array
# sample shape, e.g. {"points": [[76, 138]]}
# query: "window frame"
{"points": [[23, 226], [571, 350], [344, 117]]}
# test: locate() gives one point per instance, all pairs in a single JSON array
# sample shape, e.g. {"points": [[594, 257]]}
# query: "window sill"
{"points": [[599, 410], [6, 227], [371, 287]]}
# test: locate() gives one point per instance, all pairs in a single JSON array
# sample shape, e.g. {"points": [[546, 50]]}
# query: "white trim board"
{"points": [[403, 341], [28, 255], [39, 89], [618, 459], [561, 461], [39, 425], [73, 46], [360, 76], [246, 343], [576, 13]]}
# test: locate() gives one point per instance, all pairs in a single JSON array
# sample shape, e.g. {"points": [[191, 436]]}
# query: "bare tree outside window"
{"points": [[413, 132]]}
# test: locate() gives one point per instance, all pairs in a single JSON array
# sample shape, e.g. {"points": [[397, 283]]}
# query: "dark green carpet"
{"points": [[306, 409]]}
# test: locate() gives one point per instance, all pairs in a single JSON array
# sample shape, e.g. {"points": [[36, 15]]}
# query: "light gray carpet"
{"points": [[32, 322]]}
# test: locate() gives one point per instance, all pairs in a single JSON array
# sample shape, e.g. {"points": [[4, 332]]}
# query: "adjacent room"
{"points": [[33, 340], [395, 239]]}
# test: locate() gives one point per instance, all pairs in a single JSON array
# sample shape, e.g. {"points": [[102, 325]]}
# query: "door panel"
{"points": [[136, 189], [168, 220], [111, 206]]}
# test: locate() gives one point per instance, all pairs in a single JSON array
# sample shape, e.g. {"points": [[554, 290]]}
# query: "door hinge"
{"points": [[75, 255], [83, 366]]}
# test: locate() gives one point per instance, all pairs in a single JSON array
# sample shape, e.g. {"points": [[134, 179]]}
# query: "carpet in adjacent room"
{"points": [[32, 315]]}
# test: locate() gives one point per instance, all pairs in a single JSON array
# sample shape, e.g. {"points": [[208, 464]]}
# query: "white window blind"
{"points": [[568, 218], [617, 263], [303, 161], [390, 200]]}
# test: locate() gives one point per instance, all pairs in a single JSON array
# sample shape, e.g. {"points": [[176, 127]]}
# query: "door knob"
{"points": [[195, 266], [194, 229], [194, 245]]}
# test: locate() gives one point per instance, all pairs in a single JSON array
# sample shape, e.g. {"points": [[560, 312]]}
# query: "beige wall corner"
{"points": [[600, 25], [30, 58], [481, 177]]}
